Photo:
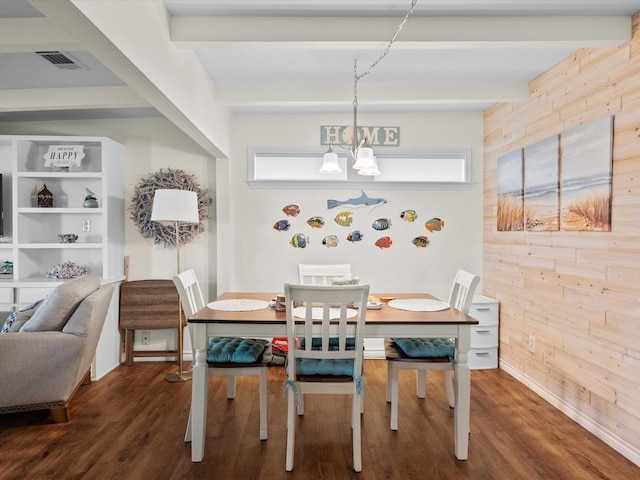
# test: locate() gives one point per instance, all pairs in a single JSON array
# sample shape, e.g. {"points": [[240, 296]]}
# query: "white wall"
{"points": [[150, 144], [252, 256]]}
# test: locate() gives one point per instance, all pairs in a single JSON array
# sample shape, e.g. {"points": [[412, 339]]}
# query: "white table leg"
{"points": [[461, 413], [199, 384]]}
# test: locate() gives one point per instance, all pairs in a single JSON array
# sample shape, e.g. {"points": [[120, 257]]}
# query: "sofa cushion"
{"points": [[59, 305], [14, 322]]}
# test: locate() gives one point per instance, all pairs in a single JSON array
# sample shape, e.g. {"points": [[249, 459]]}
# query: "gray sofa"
{"points": [[48, 350]]}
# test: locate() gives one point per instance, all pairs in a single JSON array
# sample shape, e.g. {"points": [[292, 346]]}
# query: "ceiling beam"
{"points": [[172, 82], [419, 33], [43, 99], [339, 97]]}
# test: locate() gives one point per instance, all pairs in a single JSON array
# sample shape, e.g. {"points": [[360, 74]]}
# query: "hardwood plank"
{"points": [[130, 425]]}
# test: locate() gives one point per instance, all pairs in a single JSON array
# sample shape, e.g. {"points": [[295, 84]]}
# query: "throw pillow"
{"points": [[14, 322], [60, 304]]}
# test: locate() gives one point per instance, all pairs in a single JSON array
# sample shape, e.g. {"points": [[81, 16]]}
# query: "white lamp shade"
{"points": [[364, 158], [330, 163], [175, 206], [370, 170]]}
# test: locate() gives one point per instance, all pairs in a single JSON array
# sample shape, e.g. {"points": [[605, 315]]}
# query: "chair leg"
{"points": [[231, 386], [263, 403], [448, 385], [300, 404], [187, 433], [357, 434], [388, 381], [393, 381], [421, 384], [291, 430], [128, 347]]}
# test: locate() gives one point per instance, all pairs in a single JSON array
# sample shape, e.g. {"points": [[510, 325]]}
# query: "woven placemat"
{"points": [[238, 305], [419, 304]]}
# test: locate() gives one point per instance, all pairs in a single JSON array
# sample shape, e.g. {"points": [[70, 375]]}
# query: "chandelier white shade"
{"points": [[330, 162]]}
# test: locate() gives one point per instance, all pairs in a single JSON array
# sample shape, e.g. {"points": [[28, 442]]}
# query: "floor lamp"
{"points": [[176, 206]]}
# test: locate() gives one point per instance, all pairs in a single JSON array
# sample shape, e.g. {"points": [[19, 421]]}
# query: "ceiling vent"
{"points": [[62, 60]]}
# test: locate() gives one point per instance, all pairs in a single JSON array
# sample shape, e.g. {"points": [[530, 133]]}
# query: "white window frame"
{"points": [[281, 167]]}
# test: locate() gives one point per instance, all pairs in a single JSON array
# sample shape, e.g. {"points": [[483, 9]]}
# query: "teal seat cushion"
{"points": [[316, 343], [235, 350], [426, 347], [314, 366]]}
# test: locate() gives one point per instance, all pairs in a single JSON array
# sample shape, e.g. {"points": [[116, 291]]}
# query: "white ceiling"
{"points": [[289, 56]]}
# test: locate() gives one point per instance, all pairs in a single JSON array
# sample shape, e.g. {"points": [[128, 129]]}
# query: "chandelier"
{"points": [[361, 152]]}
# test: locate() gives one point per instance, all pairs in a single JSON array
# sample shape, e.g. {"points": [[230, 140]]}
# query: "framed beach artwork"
{"points": [[587, 155], [542, 185], [510, 192]]}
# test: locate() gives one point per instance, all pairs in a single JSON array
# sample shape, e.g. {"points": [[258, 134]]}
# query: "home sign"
{"points": [[64, 156], [377, 136]]}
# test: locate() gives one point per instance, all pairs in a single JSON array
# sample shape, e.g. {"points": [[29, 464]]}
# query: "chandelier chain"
{"points": [[356, 77]]}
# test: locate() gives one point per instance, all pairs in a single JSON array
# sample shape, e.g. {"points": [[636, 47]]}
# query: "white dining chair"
{"points": [[323, 356], [462, 290], [321, 274], [192, 300]]}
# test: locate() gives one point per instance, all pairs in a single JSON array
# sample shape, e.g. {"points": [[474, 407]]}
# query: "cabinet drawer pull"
{"points": [[482, 353], [483, 309], [483, 331]]}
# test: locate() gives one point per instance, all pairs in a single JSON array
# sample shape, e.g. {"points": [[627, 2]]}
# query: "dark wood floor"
{"points": [[130, 425]]}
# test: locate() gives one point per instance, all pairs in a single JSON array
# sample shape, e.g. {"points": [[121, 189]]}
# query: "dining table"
{"points": [[262, 320]]}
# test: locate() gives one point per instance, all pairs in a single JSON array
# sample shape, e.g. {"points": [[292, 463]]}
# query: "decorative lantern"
{"points": [[45, 198]]}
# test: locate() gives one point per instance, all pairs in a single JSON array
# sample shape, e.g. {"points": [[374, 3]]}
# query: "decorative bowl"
{"points": [[67, 237]]}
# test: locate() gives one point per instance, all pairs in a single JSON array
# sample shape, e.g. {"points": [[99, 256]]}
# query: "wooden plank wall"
{"points": [[577, 292]]}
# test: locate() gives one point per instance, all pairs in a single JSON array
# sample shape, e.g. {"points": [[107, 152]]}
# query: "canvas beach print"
{"points": [[542, 185], [510, 192], [587, 153]]}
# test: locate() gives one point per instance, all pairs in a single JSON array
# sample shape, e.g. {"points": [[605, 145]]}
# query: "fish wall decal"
{"points": [[299, 240], [383, 242], [344, 219], [381, 224], [421, 242], [282, 225], [355, 236], [316, 222], [409, 215], [361, 201], [330, 241], [291, 210], [435, 224]]}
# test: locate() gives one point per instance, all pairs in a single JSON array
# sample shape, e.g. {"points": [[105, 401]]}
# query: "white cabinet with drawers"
{"points": [[484, 336]]}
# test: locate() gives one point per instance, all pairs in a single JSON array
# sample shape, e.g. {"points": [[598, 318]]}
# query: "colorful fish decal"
{"points": [[316, 222], [361, 201], [282, 225], [330, 241], [421, 242], [383, 242], [355, 236], [344, 219], [291, 210], [381, 224], [299, 240], [435, 224], [409, 215]]}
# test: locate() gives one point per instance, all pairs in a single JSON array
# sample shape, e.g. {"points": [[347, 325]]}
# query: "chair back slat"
{"points": [[189, 292], [462, 290], [321, 274]]}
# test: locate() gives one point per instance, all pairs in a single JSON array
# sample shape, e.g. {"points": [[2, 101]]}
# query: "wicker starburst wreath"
{"points": [[142, 203]]}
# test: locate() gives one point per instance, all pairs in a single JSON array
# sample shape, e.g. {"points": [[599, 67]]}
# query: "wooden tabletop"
{"points": [[385, 315]]}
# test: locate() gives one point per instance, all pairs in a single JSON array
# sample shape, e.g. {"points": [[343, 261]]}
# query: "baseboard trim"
{"points": [[608, 437]]}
